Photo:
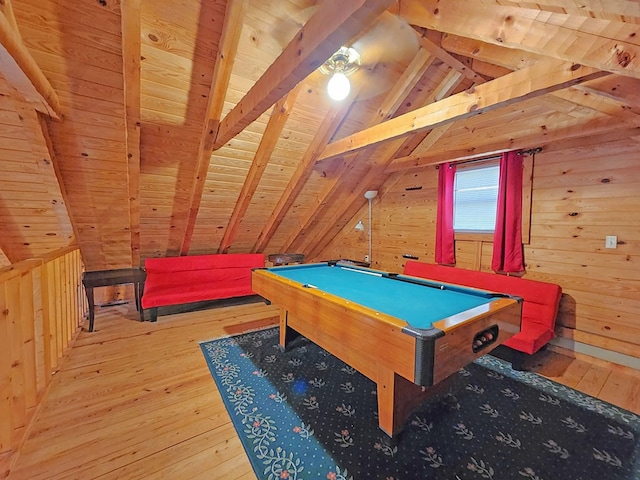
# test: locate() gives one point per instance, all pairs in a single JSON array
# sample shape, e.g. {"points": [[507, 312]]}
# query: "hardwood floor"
{"points": [[136, 400]]}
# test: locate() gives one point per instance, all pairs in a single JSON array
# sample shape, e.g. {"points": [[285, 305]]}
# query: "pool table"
{"points": [[407, 334]]}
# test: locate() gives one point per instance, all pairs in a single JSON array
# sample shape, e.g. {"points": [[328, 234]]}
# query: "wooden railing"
{"points": [[41, 309]]}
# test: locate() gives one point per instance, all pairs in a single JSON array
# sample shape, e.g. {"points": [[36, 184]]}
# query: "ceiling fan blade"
{"points": [[386, 47], [389, 39]]}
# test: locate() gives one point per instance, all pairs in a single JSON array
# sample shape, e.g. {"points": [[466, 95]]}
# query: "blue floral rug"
{"points": [[303, 414]]}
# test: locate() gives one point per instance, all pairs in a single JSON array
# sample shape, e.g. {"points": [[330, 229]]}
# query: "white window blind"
{"points": [[475, 199]]}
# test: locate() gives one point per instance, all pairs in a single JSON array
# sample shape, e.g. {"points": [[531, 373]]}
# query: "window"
{"points": [[475, 198]]}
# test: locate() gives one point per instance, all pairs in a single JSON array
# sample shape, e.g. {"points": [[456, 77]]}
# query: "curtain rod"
{"points": [[531, 151]]}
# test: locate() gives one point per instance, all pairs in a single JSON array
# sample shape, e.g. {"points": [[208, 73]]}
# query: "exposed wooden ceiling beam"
{"points": [[227, 50], [279, 116], [385, 166], [446, 87], [624, 90], [20, 69], [450, 60], [389, 106], [482, 147], [550, 34], [451, 82], [376, 176], [407, 81], [590, 99], [431, 139], [528, 83], [616, 87], [492, 53], [586, 8], [334, 23], [509, 58], [350, 200], [130, 17], [322, 137], [599, 101]]}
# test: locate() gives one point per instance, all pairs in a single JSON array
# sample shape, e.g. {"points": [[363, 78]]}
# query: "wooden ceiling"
{"points": [[140, 128]]}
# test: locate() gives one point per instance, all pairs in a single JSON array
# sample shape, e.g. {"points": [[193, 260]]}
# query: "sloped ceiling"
{"points": [[168, 127]]}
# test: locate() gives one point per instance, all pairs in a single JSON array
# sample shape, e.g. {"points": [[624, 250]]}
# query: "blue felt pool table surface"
{"points": [[419, 304]]}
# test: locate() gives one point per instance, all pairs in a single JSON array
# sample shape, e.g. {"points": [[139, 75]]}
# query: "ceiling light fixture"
{"points": [[341, 64]]}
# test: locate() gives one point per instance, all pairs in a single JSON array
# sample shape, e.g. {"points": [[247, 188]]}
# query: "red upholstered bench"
{"points": [[540, 299], [197, 278]]}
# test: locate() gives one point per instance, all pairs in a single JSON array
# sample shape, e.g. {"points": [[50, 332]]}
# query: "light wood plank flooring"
{"points": [[136, 400]]}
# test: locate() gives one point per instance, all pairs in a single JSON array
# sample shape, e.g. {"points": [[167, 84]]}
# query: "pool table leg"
{"points": [[287, 334], [283, 328], [394, 400], [398, 397]]}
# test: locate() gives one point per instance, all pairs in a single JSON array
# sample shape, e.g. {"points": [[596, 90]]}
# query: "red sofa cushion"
{"points": [[532, 337], [196, 278], [540, 299], [203, 262]]}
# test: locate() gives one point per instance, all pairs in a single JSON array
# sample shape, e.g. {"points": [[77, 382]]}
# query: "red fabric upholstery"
{"points": [[540, 299], [196, 278], [508, 252], [445, 236]]}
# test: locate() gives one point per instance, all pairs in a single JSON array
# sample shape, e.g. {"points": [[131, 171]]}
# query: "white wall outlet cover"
{"points": [[611, 241]]}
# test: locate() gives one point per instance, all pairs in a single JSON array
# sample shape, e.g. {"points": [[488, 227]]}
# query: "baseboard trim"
{"points": [[597, 352]]}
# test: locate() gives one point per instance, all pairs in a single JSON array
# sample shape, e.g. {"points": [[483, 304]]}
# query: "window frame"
{"points": [[475, 165], [527, 189]]}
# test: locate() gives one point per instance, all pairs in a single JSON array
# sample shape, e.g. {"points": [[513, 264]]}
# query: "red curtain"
{"points": [[445, 245], [508, 253]]}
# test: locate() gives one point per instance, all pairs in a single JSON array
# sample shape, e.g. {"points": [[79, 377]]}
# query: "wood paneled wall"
{"points": [[41, 307], [582, 191]]}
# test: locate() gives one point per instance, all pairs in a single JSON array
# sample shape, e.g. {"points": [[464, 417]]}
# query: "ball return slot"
{"points": [[485, 338]]}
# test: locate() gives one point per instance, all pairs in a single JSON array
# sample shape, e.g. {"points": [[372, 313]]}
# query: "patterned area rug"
{"points": [[303, 414]]}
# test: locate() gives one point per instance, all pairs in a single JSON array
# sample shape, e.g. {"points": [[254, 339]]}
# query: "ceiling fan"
{"points": [[344, 62], [371, 62]]}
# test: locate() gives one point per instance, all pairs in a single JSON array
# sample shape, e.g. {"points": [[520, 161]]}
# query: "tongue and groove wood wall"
{"points": [[33, 213], [582, 191]]}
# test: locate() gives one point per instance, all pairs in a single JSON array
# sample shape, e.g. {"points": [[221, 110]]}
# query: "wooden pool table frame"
{"points": [[375, 344]]}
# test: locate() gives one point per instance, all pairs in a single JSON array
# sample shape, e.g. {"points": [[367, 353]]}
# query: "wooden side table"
{"points": [[285, 258], [105, 278]]}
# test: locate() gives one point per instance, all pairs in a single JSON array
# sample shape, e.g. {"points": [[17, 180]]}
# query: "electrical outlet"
{"points": [[611, 241], [366, 258]]}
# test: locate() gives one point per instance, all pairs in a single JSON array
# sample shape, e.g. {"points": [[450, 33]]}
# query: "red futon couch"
{"points": [[197, 278], [539, 307]]}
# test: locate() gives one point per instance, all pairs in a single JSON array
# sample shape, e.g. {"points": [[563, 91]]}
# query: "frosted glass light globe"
{"points": [[338, 87]]}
